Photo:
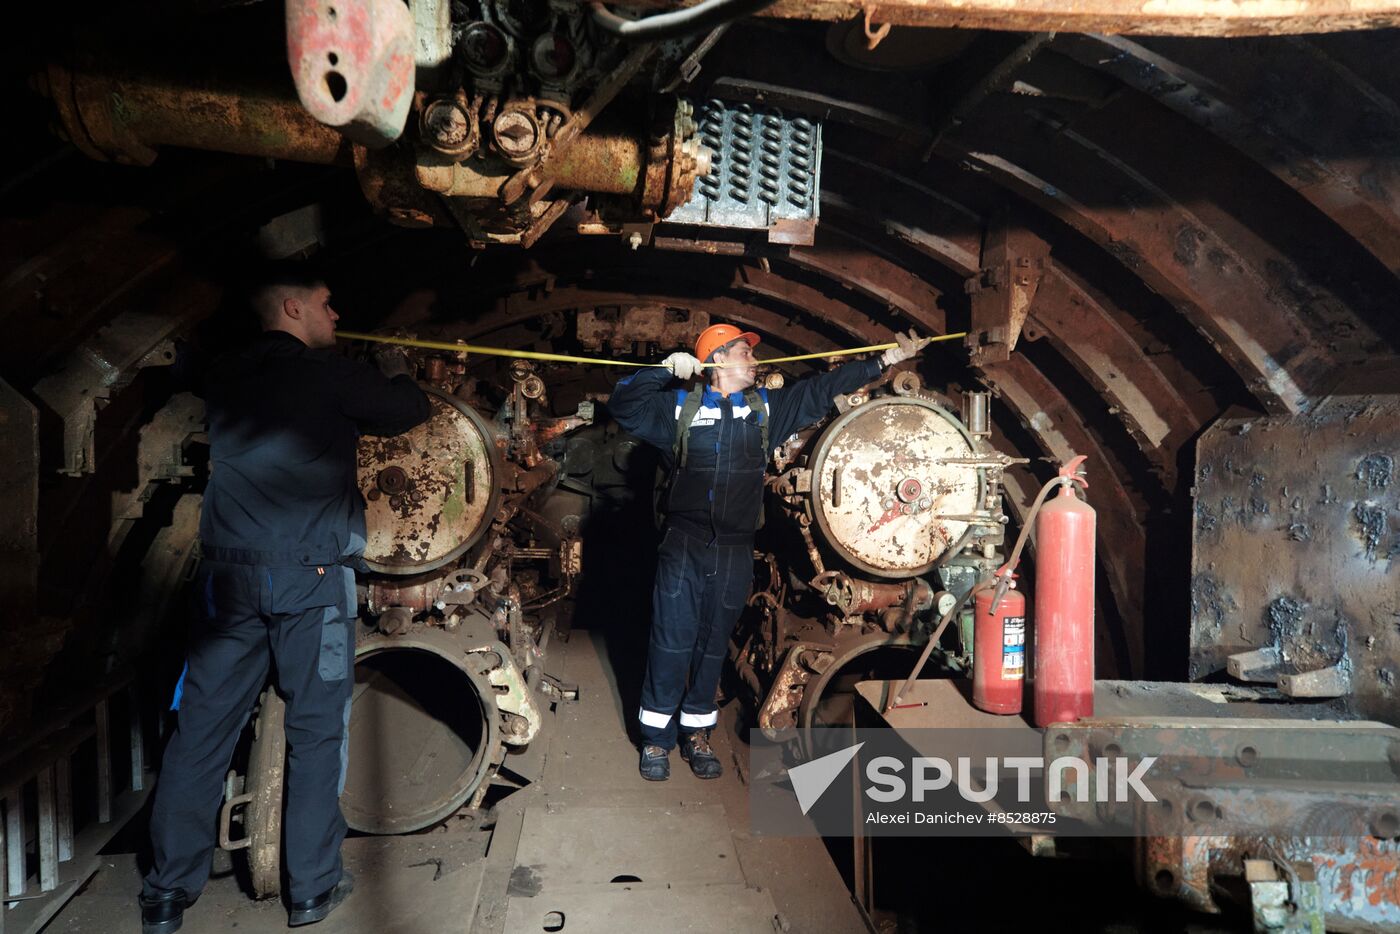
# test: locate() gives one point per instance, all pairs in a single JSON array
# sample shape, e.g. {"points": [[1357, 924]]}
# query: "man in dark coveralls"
{"points": [[281, 531], [705, 563]]}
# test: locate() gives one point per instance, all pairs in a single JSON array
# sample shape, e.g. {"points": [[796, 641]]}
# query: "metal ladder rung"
{"points": [[15, 870], [138, 742], [104, 762], [47, 829], [64, 790], [50, 774]]}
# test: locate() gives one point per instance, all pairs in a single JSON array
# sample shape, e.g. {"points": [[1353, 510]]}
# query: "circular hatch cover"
{"points": [[430, 492], [882, 494]]}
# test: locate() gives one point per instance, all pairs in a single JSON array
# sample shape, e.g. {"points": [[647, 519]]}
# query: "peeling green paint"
{"points": [[456, 504]]}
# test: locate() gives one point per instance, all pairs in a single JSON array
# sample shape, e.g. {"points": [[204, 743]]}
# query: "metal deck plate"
{"points": [[573, 846], [599, 909]]}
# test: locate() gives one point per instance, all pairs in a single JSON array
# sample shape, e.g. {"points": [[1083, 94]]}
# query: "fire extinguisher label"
{"points": [[1013, 647]]}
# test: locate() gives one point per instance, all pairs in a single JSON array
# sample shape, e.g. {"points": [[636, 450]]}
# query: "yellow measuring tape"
{"points": [[565, 358]]}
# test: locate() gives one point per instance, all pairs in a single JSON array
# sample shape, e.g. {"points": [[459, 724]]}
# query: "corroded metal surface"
{"points": [[1356, 875], [887, 491], [610, 164], [108, 362], [1234, 97], [1107, 365], [424, 726], [1036, 402], [780, 708], [621, 328], [267, 764], [352, 62], [126, 118], [1168, 17], [1278, 353], [1295, 546], [431, 492]]}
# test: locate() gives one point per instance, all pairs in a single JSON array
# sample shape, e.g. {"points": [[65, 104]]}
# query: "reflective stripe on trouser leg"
{"points": [[654, 718], [675, 617], [725, 595]]}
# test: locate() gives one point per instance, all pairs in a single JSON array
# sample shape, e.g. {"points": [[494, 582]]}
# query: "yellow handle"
{"points": [[565, 358]]}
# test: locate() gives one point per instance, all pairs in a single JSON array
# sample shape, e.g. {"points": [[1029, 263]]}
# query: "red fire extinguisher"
{"points": [[1063, 673], [998, 651]]}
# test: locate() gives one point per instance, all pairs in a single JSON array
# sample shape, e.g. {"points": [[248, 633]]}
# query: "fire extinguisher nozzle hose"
{"points": [[933, 638], [1001, 580]]}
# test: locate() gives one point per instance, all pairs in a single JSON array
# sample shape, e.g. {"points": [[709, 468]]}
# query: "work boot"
{"points": [[695, 749], [163, 911], [315, 909], [656, 763]]}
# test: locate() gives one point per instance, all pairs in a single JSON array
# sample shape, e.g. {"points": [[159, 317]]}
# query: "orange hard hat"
{"points": [[717, 335]]}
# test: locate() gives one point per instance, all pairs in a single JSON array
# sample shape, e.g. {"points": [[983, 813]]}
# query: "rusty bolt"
{"points": [[532, 387], [373, 495], [517, 133], [392, 480], [906, 383], [446, 124], [1386, 826]]}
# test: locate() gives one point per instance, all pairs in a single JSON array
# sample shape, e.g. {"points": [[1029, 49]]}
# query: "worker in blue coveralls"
{"points": [[282, 528], [718, 444]]}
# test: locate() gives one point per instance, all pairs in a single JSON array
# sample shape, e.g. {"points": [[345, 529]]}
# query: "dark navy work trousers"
{"points": [[699, 593], [299, 619]]}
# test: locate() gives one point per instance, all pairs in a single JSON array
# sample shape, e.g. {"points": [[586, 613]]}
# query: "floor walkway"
{"points": [[589, 847]]}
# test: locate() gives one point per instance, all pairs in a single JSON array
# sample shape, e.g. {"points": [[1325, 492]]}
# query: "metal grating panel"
{"points": [[766, 169]]}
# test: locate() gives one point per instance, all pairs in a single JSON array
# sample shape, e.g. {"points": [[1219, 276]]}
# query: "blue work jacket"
{"points": [[718, 494], [284, 426]]}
